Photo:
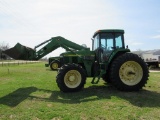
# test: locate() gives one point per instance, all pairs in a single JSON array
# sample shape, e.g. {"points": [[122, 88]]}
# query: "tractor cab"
{"points": [[106, 41]]}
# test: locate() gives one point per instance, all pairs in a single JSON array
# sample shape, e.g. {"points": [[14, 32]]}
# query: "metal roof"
{"points": [[154, 52]]}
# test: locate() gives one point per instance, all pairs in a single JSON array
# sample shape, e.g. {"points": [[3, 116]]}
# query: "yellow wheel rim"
{"points": [[131, 73], [55, 65], [72, 79]]}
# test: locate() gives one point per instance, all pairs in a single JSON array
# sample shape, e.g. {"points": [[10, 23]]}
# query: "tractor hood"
{"points": [[83, 52]]}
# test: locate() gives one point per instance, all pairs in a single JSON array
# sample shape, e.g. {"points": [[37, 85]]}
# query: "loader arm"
{"points": [[20, 52], [55, 43]]}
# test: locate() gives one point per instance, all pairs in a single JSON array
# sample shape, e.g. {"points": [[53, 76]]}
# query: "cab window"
{"points": [[118, 40], [107, 41], [96, 42]]}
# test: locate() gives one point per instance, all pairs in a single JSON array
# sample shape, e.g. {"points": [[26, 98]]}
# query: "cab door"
{"points": [[107, 45]]}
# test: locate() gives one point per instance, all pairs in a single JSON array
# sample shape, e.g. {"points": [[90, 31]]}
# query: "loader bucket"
{"points": [[20, 52]]}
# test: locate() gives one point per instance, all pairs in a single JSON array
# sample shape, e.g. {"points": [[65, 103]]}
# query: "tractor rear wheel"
{"points": [[129, 72], [54, 65], [71, 78], [106, 78]]}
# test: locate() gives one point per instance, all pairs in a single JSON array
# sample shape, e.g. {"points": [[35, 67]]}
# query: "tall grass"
{"points": [[30, 92]]}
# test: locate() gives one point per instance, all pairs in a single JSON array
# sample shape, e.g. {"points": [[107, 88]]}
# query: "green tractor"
{"points": [[109, 59], [54, 63]]}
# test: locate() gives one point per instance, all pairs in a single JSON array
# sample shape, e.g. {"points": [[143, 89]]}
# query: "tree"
{"points": [[3, 46]]}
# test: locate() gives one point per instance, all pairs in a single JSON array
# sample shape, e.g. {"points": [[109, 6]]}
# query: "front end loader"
{"points": [[109, 60]]}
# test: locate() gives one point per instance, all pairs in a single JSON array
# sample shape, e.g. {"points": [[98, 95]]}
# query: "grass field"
{"points": [[30, 92]]}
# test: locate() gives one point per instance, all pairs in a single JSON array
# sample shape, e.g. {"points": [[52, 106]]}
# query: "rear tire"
{"points": [[129, 72], [71, 78], [106, 78]]}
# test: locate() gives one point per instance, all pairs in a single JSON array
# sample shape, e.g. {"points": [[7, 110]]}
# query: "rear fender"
{"points": [[115, 54]]}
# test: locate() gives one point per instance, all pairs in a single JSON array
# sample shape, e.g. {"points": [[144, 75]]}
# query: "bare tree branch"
{"points": [[4, 46]]}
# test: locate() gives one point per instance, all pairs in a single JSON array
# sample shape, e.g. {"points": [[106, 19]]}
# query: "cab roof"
{"points": [[109, 31]]}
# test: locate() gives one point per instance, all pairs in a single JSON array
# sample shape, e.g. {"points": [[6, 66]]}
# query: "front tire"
{"points": [[71, 78], [54, 65], [129, 72]]}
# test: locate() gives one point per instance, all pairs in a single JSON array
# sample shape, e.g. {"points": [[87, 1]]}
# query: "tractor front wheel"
{"points": [[54, 65], [71, 78], [129, 72]]}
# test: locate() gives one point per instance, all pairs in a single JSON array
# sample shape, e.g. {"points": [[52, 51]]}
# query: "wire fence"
{"points": [[15, 62]]}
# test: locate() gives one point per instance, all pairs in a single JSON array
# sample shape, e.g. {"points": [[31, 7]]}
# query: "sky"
{"points": [[30, 22]]}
